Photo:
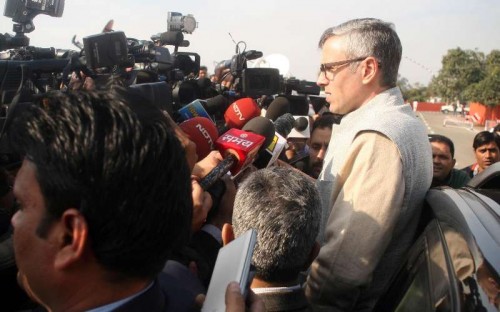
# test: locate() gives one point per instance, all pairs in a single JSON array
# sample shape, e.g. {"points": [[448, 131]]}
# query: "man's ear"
{"points": [[370, 70], [227, 234], [312, 255], [72, 238]]}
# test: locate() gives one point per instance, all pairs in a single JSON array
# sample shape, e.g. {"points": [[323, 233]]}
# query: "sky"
{"points": [[427, 28]]}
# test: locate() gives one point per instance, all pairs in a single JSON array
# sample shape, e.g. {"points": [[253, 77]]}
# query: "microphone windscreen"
{"points": [[284, 124], [216, 104], [202, 132], [263, 126], [171, 38], [301, 124], [278, 107], [300, 128], [240, 112]]}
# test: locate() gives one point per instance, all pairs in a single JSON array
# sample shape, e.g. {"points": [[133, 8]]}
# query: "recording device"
{"points": [[24, 63], [193, 109], [250, 82], [22, 13], [284, 124], [278, 107], [239, 148], [260, 81], [270, 154], [203, 132], [318, 103], [240, 112], [106, 49], [233, 264], [301, 128]]}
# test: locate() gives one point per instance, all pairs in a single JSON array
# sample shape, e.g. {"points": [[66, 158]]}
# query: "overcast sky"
{"points": [[427, 28]]}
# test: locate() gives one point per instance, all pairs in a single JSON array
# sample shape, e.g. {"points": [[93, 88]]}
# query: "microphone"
{"points": [[239, 149], [278, 107], [193, 109], [248, 55], [202, 132], [300, 128], [240, 112], [174, 38], [269, 155], [263, 126], [284, 124], [216, 104]]}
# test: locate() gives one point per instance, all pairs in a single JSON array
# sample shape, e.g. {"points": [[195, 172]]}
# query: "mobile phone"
{"points": [[232, 264]]}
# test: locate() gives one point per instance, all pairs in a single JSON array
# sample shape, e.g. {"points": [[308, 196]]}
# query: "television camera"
{"points": [[24, 69]]}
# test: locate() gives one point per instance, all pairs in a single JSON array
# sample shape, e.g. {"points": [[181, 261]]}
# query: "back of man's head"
{"points": [[284, 208], [124, 172]]}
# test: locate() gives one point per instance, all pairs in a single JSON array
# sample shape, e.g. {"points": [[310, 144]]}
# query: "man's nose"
{"points": [[321, 153], [322, 81]]}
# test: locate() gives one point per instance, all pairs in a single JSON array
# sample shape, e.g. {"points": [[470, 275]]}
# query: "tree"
{"points": [[411, 92], [461, 68], [487, 91]]}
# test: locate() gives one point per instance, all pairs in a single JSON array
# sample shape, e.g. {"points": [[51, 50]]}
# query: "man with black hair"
{"points": [[318, 143], [486, 147], [104, 197], [444, 173]]}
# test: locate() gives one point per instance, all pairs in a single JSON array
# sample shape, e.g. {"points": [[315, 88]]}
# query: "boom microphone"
{"points": [[202, 132]]}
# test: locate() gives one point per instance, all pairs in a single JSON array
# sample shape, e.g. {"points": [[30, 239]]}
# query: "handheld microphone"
{"points": [[300, 128], [271, 153], [240, 112], [284, 124], [193, 109], [263, 126], [202, 132], [216, 104], [278, 107], [239, 149]]}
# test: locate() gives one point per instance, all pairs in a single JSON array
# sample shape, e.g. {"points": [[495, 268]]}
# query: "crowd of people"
{"points": [[108, 213]]}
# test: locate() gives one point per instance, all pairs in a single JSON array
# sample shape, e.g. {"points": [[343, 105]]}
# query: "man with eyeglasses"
{"points": [[375, 174]]}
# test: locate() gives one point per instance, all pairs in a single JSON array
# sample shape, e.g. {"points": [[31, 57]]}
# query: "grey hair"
{"points": [[284, 208], [370, 37]]}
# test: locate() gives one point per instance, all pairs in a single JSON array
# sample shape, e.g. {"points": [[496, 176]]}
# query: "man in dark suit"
{"points": [[104, 197], [285, 210]]}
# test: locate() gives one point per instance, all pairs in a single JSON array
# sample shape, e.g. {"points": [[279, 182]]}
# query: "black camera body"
{"points": [[22, 11]]}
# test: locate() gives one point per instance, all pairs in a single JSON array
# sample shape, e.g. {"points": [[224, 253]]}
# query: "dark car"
{"points": [[454, 263]]}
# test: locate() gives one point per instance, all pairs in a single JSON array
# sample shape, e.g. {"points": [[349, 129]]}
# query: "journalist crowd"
{"points": [[113, 202]]}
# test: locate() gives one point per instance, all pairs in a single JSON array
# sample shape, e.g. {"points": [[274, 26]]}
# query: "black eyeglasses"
{"points": [[329, 69]]}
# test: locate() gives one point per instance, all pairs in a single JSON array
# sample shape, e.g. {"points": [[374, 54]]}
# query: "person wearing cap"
{"points": [[376, 172]]}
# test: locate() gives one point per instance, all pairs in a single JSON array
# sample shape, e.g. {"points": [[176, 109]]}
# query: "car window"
{"points": [[424, 283]]}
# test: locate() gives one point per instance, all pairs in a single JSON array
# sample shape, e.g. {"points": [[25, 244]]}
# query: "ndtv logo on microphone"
{"points": [[205, 134], [238, 112], [236, 140]]}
